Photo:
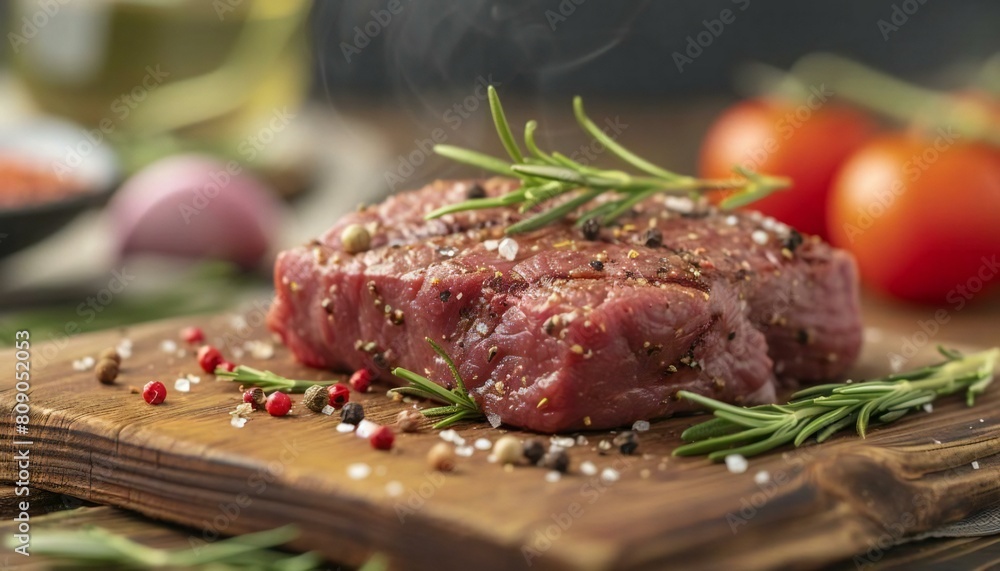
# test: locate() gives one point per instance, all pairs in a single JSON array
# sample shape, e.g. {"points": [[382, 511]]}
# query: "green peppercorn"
{"points": [[316, 398], [355, 239]]}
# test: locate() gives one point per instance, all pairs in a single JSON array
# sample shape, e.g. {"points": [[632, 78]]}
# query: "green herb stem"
{"points": [[267, 380], [546, 176], [458, 405], [824, 410]]}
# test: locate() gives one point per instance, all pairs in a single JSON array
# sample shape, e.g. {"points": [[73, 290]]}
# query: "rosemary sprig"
{"points": [[267, 380], [458, 405], [546, 176], [824, 410], [93, 546]]}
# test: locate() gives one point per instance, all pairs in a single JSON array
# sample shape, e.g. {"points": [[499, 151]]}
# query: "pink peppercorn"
{"points": [[192, 335], [339, 395], [361, 380], [154, 392], [226, 366], [278, 404], [382, 438], [209, 358]]}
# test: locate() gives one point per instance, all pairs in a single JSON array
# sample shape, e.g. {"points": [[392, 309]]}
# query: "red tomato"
{"points": [[921, 215], [805, 141]]}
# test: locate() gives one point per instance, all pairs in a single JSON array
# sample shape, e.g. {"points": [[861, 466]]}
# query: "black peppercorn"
{"points": [[597, 265], [445, 295], [555, 460], [475, 191], [793, 241], [352, 413], [533, 450], [653, 238], [626, 442], [591, 229]]}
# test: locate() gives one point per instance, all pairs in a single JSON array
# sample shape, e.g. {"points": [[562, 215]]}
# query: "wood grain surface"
{"points": [[183, 462]]}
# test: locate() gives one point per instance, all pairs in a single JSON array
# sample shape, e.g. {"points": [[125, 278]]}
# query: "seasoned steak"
{"points": [[573, 331]]}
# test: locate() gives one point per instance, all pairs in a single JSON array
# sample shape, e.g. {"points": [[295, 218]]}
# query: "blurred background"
{"points": [[156, 154]]}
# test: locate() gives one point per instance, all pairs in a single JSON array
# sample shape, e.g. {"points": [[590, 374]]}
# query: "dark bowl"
{"points": [[44, 145]]}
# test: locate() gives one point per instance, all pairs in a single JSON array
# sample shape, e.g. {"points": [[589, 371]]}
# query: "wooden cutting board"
{"points": [[183, 462]]}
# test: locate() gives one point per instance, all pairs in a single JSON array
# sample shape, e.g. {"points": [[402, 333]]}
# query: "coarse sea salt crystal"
{"points": [[448, 435], [482, 444], [365, 428], [563, 441], [731, 220], [679, 204], [182, 385], [736, 463], [553, 476], [928, 407], [193, 379], [759, 237], [124, 348], [359, 471], [328, 410], [508, 248], [975, 464], [259, 349], [238, 421], [588, 468], [762, 477], [168, 346], [640, 425], [581, 440], [464, 451], [394, 489], [491, 245], [345, 427], [88, 362], [610, 475]]}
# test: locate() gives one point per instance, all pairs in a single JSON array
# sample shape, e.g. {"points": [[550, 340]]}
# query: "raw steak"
{"points": [[573, 333]]}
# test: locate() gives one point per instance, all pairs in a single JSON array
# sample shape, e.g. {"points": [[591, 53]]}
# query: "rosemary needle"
{"points": [[94, 546], [267, 380], [824, 410], [547, 176], [458, 405]]}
